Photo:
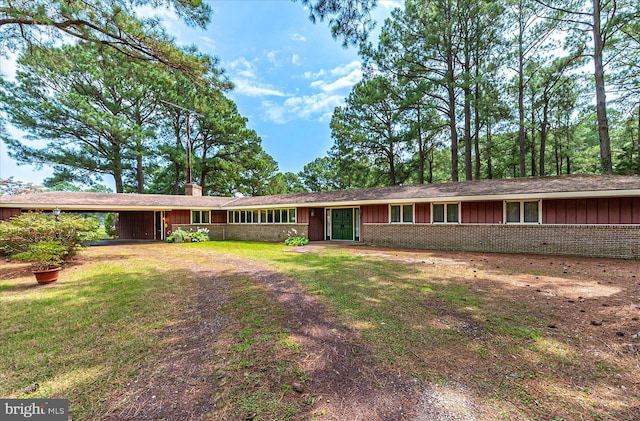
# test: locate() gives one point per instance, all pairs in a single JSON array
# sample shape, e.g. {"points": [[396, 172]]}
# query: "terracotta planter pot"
{"points": [[47, 276]]}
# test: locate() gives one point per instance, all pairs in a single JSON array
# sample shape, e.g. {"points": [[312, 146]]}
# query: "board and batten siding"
{"points": [[489, 212], [623, 210], [7, 213], [422, 213], [374, 214], [176, 217], [218, 217], [302, 215], [136, 225]]}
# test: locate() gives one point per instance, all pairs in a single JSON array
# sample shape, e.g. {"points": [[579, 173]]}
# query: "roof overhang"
{"points": [[480, 198]]}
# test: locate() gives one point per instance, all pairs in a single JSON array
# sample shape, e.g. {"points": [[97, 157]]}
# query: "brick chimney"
{"points": [[191, 189]]}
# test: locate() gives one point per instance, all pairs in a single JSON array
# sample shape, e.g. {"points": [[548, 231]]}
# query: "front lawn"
{"points": [[511, 334]]}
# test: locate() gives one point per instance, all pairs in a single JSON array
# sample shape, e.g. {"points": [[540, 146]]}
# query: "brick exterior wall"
{"points": [[250, 232], [620, 241]]}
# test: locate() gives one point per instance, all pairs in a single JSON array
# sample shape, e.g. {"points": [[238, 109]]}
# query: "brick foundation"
{"points": [[250, 232], [619, 241]]}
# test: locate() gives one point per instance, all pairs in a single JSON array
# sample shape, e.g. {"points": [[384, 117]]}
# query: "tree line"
{"points": [[102, 115], [120, 98], [452, 90], [489, 89]]}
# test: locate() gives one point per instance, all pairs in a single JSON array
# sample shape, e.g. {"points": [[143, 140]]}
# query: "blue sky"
{"points": [[289, 75]]}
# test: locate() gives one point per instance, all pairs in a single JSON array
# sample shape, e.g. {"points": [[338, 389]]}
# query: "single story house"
{"points": [[583, 215]]}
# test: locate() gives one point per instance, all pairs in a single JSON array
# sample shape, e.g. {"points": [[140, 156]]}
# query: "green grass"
{"points": [[85, 335]]}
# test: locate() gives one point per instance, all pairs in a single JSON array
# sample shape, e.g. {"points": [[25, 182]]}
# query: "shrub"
{"points": [[111, 224], [296, 241], [43, 255], [177, 236], [198, 237], [18, 233], [180, 236]]}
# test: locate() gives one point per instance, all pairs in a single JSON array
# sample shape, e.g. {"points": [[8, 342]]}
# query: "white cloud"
{"points": [[346, 68], [307, 107], [242, 67], [208, 42], [298, 37], [391, 4], [244, 75], [295, 59], [350, 75], [253, 88], [330, 86], [167, 15], [310, 75], [275, 112], [272, 56], [8, 66], [312, 105]]}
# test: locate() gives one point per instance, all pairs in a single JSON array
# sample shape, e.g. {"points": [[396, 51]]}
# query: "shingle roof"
{"points": [[477, 188], [481, 190], [114, 200]]}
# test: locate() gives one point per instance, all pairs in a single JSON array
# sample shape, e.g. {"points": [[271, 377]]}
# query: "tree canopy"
{"points": [[490, 89], [112, 24]]}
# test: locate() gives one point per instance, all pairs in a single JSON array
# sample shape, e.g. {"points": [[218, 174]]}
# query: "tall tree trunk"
{"points": [[521, 133], [476, 135], [468, 166], [543, 136], [638, 143], [533, 136], [466, 72], [139, 172], [488, 152], [176, 178], [451, 97], [204, 171], [421, 151], [117, 177], [606, 165], [392, 167], [557, 153]]}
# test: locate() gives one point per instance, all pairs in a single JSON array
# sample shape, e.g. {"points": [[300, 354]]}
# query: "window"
{"points": [[445, 213], [261, 216], [522, 212], [200, 217], [401, 214]]}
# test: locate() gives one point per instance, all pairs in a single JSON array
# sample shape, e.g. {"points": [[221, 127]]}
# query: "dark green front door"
{"points": [[342, 224]]}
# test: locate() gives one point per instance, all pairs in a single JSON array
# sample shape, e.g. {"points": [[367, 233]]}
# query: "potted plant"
{"points": [[46, 258]]}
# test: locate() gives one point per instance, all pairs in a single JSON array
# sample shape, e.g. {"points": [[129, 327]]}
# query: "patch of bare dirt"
{"points": [[346, 382], [588, 309], [180, 386], [595, 302]]}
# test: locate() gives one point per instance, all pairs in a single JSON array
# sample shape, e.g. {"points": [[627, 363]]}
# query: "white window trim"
{"points": [[413, 212], [200, 211], [445, 212], [522, 202], [231, 220]]}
